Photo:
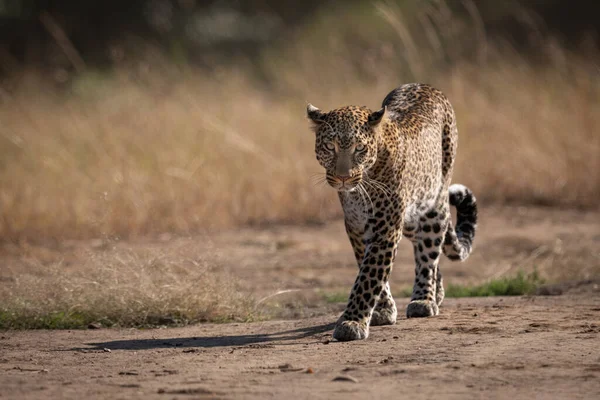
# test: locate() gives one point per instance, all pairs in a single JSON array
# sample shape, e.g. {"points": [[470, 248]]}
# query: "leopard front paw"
{"points": [[350, 330], [384, 315], [421, 309]]}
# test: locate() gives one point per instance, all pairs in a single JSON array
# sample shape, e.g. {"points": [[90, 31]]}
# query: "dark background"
{"points": [[96, 27]]}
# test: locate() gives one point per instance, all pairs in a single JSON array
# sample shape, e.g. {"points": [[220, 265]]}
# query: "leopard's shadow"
{"points": [[212, 341]]}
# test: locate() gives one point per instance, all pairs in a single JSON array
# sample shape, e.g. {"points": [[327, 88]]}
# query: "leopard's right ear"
{"points": [[316, 115], [376, 117]]}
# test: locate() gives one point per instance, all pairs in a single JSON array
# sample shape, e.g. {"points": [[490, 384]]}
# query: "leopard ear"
{"points": [[376, 117], [316, 115]]}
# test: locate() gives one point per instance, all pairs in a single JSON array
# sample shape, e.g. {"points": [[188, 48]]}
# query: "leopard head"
{"points": [[346, 143]]}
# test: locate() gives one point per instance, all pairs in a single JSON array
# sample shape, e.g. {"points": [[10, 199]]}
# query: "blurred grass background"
{"points": [[189, 115]]}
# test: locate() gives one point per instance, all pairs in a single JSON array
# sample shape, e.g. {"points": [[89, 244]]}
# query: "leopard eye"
{"points": [[329, 146], [360, 147]]}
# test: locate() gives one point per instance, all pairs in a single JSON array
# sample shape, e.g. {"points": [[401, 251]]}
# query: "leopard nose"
{"points": [[343, 178]]}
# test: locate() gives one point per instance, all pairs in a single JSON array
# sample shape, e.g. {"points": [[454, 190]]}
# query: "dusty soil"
{"points": [[542, 346], [539, 347]]}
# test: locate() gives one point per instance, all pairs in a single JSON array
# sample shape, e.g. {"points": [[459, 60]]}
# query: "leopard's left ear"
{"points": [[376, 117], [316, 115]]}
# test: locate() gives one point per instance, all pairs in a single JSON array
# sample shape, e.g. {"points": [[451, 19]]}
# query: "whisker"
{"points": [[368, 197], [371, 201], [382, 189], [379, 185], [369, 185], [362, 198], [378, 188]]}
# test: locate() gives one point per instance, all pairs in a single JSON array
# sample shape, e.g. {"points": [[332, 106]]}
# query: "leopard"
{"points": [[392, 170]]}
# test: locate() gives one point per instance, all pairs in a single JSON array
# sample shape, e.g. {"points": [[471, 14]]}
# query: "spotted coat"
{"points": [[392, 169]]}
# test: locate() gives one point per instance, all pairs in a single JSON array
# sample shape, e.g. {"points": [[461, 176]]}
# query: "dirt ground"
{"points": [[523, 347], [539, 347]]}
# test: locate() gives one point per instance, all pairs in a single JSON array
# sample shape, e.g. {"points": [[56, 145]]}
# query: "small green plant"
{"points": [[521, 284]]}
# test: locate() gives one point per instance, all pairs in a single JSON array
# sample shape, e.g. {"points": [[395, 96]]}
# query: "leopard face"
{"points": [[346, 143]]}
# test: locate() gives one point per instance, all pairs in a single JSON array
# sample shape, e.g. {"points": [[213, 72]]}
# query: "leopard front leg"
{"points": [[428, 292], [385, 312], [371, 286]]}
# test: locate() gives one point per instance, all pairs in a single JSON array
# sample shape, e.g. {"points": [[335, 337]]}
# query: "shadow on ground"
{"points": [[211, 341]]}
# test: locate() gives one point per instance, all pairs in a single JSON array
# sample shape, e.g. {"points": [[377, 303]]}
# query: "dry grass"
{"points": [[138, 161], [118, 288]]}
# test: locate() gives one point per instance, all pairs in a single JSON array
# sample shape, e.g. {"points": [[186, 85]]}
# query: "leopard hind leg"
{"points": [[428, 292]]}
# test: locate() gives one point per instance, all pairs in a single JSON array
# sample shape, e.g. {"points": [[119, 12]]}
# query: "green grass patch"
{"points": [[518, 285]]}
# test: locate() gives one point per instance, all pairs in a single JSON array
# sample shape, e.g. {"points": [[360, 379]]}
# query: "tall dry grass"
{"points": [[199, 154], [171, 149]]}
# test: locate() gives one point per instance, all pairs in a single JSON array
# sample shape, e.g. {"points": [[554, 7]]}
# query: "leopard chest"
{"points": [[357, 206]]}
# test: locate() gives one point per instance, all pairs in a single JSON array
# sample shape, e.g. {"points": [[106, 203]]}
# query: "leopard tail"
{"points": [[458, 241]]}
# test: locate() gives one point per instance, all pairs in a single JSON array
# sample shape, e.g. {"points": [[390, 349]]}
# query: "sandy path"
{"points": [[539, 347]]}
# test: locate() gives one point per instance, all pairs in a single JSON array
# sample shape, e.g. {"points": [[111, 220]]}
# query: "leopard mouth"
{"points": [[344, 185], [346, 188]]}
